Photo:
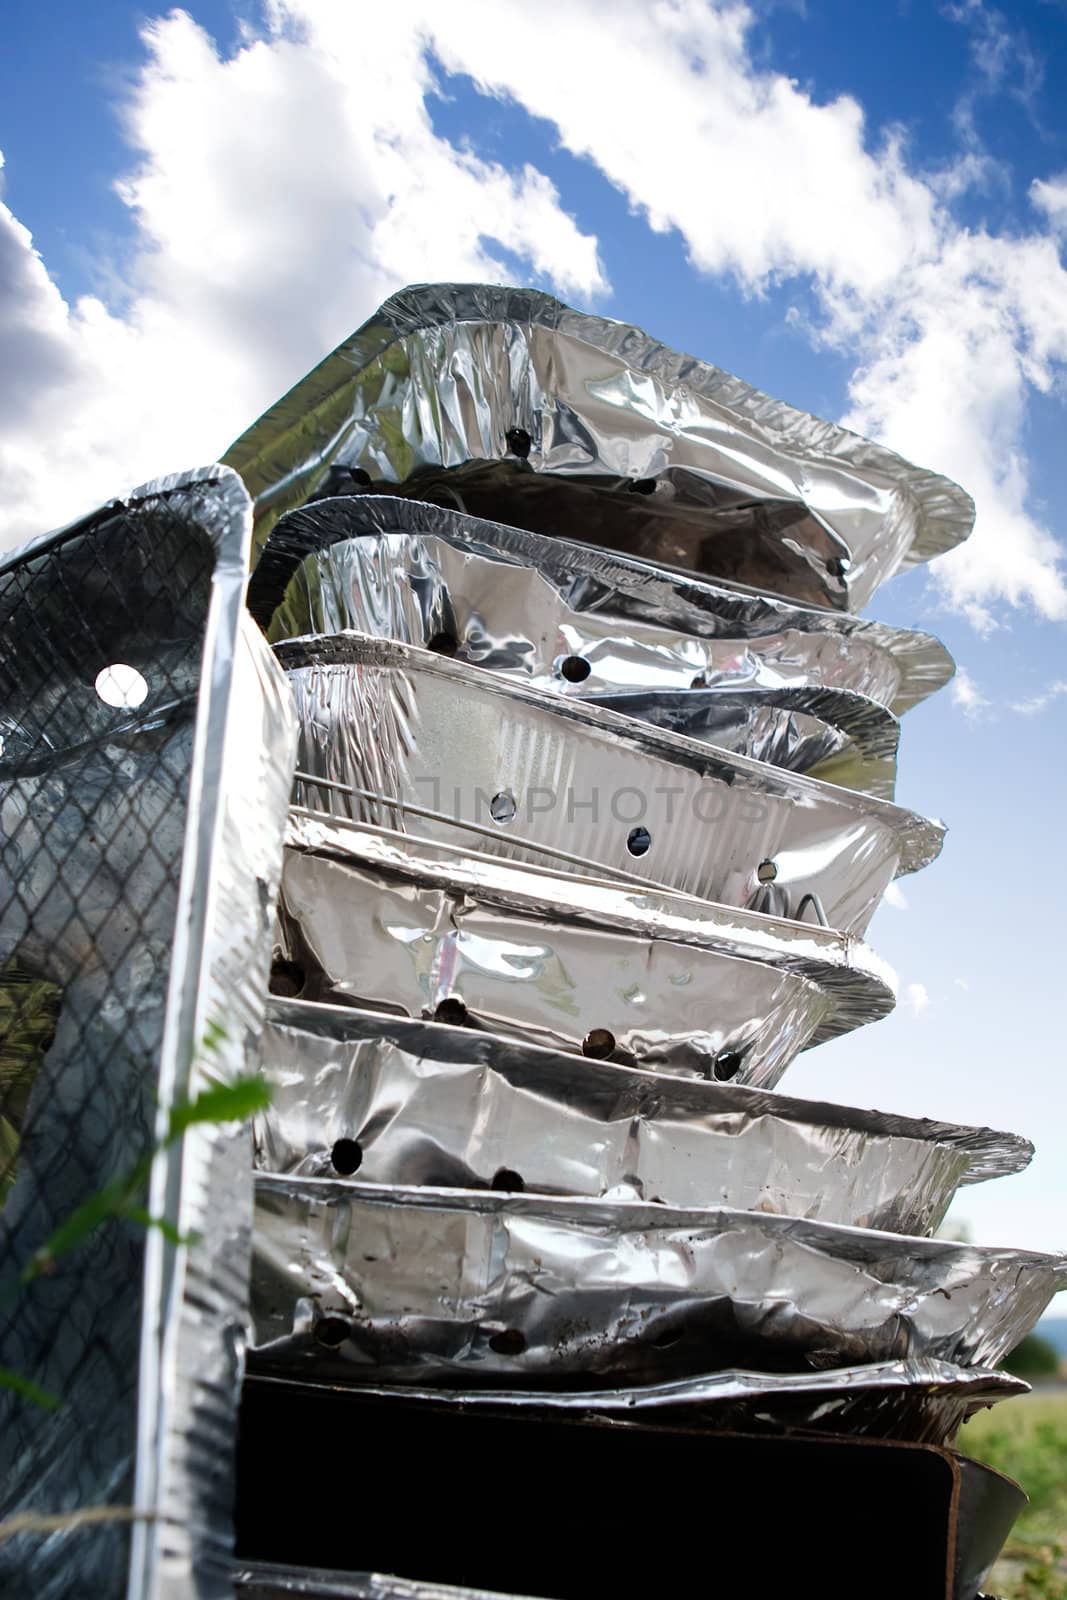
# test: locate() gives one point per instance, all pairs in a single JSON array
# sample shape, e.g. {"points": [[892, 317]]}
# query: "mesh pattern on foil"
{"points": [[103, 629]]}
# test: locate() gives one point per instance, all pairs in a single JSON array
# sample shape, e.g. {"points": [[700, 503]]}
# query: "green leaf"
{"points": [[222, 1102], [27, 1389], [147, 1220]]}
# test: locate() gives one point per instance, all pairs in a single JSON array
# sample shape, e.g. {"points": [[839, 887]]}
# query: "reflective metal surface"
{"points": [[138, 869], [921, 1400], [564, 422], [527, 775], [639, 624], [450, 1287], [422, 953], [412, 1103], [763, 697], [418, 924], [263, 1580]]}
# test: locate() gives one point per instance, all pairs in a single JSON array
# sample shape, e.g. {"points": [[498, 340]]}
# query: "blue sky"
{"points": [[861, 209]]}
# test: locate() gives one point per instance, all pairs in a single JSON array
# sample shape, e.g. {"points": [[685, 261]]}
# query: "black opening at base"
{"points": [[579, 1510]]}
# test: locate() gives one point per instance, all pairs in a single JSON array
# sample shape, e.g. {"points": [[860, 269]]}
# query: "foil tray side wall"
{"points": [[197, 1293], [411, 1104], [359, 939], [897, 667], [858, 986], [462, 1289], [393, 729], [768, 700], [465, 365], [113, 893]]}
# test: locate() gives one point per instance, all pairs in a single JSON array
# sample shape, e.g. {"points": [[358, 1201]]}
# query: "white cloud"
{"points": [[968, 696], [280, 192], [916, 996], [1050, 196], [895, 897], [1030, 708], [279, 195]]}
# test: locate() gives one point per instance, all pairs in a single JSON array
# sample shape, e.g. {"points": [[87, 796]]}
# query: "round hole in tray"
{"points": [[507, 1180], [767, 871], [508, 1342], [346, 1156], [638, 841], [599, 1043], [502, 807], [287, 979], [727, 1065], [331, 1332], [443, 643], [121, 686], [575, 669], [451, 1010], [665, 1338]]}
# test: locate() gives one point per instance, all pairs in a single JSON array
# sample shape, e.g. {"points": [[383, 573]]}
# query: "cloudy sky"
{"points": [[859, 208]]}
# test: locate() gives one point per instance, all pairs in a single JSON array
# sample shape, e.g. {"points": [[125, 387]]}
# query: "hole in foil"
{"points": [[451, 1010], [287, 979], [502, 807], [727, 1065], [504, 1178], [121, 686], [575, 669], [331, 1332], [838, 566], [347, 1156], [665, 1339], [638, 841], [443, 643], [699, 682], [643, 486], [598, 1043], [766, 872], [509, 1342], [518, 442]]}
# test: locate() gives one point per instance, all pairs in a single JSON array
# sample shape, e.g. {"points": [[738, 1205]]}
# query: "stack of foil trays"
{"points": [[593, 806]]}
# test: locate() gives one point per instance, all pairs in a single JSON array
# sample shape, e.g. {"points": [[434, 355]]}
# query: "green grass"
{"points": [[1027, 1439]]}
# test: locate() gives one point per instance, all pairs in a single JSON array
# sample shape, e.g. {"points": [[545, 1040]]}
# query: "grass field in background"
{"points": [[1027, 1439]]}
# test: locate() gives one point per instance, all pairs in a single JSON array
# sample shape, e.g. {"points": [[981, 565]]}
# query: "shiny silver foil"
{"points": [[265, 1580], [517, 408], [762, 698], [921, 1400], [460, 1289], [195, 1313], [636, 625], [392, 947], [392, 734], [98, 805], [412, 1103], [369, 917]]}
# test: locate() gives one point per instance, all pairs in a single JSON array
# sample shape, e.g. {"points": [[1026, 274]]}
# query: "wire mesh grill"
{"points": [[102, 630]]}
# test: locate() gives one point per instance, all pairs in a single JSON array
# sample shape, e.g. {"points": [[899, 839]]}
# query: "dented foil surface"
{"points": [[138, 874], [923, 1401], [411, 1103], [763, 698], [542, 415], [334, 871], [391, 1285], [354, 937], [627, 615], [400, 734]]}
